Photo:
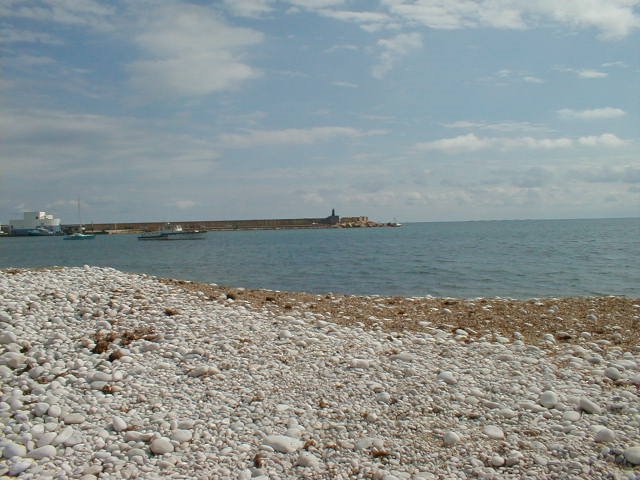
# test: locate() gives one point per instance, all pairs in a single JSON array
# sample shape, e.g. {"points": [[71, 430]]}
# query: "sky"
{"points": [[415, 110]]}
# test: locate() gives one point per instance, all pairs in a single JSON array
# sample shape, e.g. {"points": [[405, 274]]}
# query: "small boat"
{"points": [[39, 232], [173, 232], [79, 236]]}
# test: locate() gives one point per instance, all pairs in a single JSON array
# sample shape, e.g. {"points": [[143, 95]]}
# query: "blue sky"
{"points": [[419, 110]]}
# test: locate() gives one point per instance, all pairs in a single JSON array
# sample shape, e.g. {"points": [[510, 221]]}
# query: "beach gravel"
{"points": [[107, 374]]}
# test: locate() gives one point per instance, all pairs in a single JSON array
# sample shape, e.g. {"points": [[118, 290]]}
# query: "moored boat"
{"points": [[79, 236], [39, 232], [173, 232]]}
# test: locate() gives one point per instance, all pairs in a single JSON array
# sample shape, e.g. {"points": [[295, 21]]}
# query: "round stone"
{"points": [[14, 450], [46, 451], [494, 432], [589, 406], [54, 411], [18, 467], [73, 418], [308, 460], [40, 408], [283, 444], [613, 373], [136, 452], [632, 455], [451, 438], [604, 435], [181, 435], [447, 377], [497, 461], [548, 399], [571, 416], [7, 338], [161, 445], [118, 424]]}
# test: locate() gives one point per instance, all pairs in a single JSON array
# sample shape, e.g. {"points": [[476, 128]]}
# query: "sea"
{"points": [[512, 259]]}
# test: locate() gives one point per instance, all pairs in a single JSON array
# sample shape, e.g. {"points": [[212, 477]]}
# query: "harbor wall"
{"points": [[275, 223]]}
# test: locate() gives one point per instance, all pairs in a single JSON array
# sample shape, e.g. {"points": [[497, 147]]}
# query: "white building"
{"points": [[35, 223]]}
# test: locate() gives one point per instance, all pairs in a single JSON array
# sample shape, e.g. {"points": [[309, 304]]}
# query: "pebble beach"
{"points": [[106, 374]]}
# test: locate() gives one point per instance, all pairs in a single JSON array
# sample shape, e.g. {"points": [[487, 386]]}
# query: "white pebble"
{"points": [[46, 451], [589, 406], [548, 399], [161, 445], [604, 435], [14, 450], [632, 455], [447, 377], [494, 432], [451, 438], [283, 444]]}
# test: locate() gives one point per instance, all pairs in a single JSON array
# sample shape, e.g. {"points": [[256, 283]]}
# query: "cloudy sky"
{"points": [[408, 109]]}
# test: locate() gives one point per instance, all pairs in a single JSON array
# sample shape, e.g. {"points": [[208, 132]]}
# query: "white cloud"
{"points": [[584, 72], [369, 21], [498, 126], [85, 13], [32, 60], [604, 140], [344, 84], [356, 17], [506, 76], [393, 49], [12, 35], [316, 4], [591, 74], [591, 114], [616, 64], [459, 144], [472, 143], [63, 145], [336, 48], [613, 18], [249, 8], [292, 136], [191, 52]]}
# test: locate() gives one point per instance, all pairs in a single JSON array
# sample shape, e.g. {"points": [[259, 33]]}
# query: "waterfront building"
{"points": [[35, 223]]}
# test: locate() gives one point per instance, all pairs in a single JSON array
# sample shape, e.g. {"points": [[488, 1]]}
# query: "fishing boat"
{"points": [[173, 232], [79, 236], [39, 232]]}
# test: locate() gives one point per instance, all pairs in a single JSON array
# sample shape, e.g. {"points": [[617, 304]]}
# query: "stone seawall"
{"points": [[275, 223], [214, 224]]}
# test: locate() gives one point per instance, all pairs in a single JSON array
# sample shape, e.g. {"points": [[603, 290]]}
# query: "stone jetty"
{"points": [[106, 374]]}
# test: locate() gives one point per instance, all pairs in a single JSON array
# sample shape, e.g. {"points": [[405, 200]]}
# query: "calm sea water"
{"points": [[520, 259]]}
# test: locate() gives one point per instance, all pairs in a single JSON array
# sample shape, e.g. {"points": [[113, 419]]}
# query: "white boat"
{"points": [[173, 232], [39, 232], [79, 236]]}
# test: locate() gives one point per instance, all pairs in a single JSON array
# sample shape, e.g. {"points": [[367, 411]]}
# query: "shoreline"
{"points": [[615, 319], [610, 318], [108, 374]]}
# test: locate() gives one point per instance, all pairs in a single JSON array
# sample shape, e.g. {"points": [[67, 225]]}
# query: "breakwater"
{"points": [[331, 221]]}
